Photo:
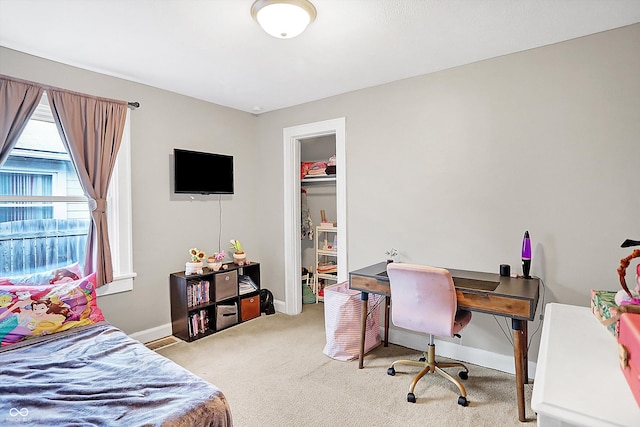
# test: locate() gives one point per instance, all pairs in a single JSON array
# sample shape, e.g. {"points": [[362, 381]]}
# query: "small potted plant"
{"points": [[239, 257], [195, 265], [215, 261], [391, 255]]}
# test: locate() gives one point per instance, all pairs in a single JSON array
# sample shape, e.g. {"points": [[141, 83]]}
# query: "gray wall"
{"points": [[165, 226], [450, 168]]}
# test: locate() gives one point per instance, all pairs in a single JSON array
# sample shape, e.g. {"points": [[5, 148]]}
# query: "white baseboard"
{"points": [[162, 331], [280, 306], [152, 334], [484, 358]]}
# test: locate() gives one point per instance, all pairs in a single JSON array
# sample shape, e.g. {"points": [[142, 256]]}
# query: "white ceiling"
{"points": [[213, 50]]}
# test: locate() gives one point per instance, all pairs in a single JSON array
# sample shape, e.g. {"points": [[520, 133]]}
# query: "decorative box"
{"points": [[605, 309], [226, 285], [629, 351], [249, 308], [226, 315]]}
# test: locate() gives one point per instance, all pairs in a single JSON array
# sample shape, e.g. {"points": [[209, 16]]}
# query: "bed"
{"points": [[90, 373]]}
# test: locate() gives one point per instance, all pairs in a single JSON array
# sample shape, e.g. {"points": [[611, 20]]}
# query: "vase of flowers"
{"points": [[215, 261], [239, 257], [195, 265]]}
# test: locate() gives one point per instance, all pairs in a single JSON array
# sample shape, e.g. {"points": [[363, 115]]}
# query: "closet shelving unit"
{"points": [[326, 255]]}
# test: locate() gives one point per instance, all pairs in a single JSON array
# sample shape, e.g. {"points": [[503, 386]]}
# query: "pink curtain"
{"points": [[18, 100], [91, 128]]}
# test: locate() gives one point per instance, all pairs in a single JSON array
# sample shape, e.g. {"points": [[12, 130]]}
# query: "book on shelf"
{"points": [[197, 293], [327, 268], [198, 323], [246, 285]]}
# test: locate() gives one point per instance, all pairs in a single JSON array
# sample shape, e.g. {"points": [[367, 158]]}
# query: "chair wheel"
{"points": [[391, 371], [462, 401], [463, 375], [412, 398]]}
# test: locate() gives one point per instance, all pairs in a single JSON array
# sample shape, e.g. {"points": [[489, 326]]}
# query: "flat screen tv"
{"points": [[196, 172]]}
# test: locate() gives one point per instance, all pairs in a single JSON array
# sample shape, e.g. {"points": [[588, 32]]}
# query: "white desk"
{"points": [[578, 378]]}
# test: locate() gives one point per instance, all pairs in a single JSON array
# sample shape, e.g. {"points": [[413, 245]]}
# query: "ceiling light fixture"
{"points": [[283, 19]]}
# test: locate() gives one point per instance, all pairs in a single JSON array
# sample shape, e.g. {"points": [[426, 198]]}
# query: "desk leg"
{"points": [[520, 355], [364, 296], [386, 320], [525, 351]]}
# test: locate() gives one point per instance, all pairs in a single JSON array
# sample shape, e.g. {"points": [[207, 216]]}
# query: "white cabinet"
{"points": [[326, 243], [578, 377]]}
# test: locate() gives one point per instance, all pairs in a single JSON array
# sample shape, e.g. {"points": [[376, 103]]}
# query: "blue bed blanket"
{"points": [[97, 375]]}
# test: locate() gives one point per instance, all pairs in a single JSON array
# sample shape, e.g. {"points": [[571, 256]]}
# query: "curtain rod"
{"points": [[131, 104]]}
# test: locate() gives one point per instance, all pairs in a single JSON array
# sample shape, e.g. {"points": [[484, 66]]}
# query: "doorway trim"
{"points": [[292, 137]]}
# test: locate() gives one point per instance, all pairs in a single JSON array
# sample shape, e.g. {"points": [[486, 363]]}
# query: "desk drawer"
{"points": [[495, 304], [369, 284]]}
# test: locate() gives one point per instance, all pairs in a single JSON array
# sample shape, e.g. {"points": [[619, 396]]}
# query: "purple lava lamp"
{"points": [[526, 255]]}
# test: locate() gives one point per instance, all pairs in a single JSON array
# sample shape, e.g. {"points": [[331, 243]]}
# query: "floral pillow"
{"points": [[29, 311], [64, 274]]}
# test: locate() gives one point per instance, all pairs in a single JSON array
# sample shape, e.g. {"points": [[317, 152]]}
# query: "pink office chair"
{"points": [[423, 299]]}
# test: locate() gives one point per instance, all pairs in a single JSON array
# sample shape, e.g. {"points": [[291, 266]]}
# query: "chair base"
{"points": [[429, 365]]}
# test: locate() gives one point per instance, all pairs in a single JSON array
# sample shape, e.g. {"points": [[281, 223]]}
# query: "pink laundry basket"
{"points": [[342, 322]]}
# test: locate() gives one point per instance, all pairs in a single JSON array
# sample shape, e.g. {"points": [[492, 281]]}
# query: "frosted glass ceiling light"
{"points": [[283, 19]]}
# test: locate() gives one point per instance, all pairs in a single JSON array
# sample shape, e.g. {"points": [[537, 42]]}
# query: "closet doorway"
{"points": [[294, 137], [318, 198]]}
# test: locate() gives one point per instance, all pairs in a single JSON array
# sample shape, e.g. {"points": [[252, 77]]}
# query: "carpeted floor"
{"points": [[274, 373]]}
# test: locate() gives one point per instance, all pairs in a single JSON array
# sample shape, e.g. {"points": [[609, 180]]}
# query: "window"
{"points": [[25, 184], [44, 217]]}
